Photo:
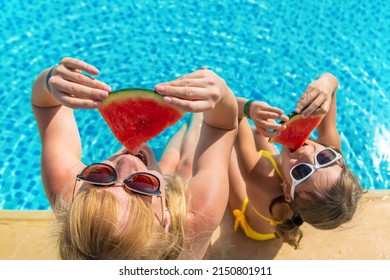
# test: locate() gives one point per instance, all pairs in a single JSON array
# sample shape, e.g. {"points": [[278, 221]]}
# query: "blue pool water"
{"points": [[266, 50]]}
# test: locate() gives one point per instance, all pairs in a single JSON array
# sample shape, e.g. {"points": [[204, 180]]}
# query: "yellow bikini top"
{"points": [[239, 214]]}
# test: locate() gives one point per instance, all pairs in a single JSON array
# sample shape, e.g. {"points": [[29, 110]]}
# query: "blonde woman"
{"points": [[101, 215]]}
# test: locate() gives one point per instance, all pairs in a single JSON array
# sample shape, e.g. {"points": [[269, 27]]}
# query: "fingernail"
{"points": [[96, 104], [103, 94], [93, 69], [167, 99], [159, 88], [107, 88]]}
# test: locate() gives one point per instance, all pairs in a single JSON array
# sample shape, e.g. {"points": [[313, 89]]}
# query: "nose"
{"points": [[306, 153], [118, 184]]}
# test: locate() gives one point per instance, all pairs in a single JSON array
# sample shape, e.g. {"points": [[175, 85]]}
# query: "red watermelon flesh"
{"points": [[298, 130], [135, 116]]}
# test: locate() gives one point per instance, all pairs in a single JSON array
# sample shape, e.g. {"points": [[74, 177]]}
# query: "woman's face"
{"points": [[321, 180], [126, 164]]}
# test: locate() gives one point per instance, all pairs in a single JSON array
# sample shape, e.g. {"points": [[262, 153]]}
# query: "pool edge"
{"points": [[28, 235]]}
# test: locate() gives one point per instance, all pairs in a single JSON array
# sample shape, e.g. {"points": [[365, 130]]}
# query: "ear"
{"points": [[286, 192]]}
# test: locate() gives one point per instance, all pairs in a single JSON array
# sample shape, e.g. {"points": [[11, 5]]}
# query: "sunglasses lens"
{"points": [[326, 156], [99, 173], [301, 171], [143, 182]]}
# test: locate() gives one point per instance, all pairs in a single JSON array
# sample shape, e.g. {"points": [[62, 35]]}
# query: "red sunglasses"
{"points": [[104, 175], [101, 174]]}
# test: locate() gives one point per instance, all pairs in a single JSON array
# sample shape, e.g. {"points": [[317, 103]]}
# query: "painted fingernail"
{"points": [[167, 99], [107, 88], [94, 70], [159, 88], [103, 94]]}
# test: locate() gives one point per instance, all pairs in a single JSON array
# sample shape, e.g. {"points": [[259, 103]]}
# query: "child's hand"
{"points": [[317, 96], [264, 117]]}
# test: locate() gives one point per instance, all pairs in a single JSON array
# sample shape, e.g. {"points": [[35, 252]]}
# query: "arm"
{"points": [[61, 145], [208, 190], [320, 98]]}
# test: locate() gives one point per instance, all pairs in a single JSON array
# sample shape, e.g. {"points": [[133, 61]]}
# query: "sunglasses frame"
{"points": [[313, 168], [122, 184]]}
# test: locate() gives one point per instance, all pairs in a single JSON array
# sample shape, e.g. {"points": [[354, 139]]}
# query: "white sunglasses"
{"points": [[303, 171]]}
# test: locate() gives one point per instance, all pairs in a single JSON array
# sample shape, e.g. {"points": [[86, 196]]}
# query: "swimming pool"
{"points": [[267, 50]]}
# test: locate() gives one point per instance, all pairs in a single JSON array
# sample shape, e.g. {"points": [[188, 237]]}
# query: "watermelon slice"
{"points": [[298, 130], [135, 116]]}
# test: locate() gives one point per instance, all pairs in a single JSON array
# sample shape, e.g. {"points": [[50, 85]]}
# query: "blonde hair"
{"points": [[88, 227]]}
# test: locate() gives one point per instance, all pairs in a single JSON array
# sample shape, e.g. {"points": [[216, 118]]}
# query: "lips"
{"points": [[142, 157], [294, 150]]}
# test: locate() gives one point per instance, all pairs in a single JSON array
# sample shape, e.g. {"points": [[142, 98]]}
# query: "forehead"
{"points": [[321, 180]]}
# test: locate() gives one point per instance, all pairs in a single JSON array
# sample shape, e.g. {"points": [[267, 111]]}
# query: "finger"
{"points": [[74, 63], [267, 133], [202, 73], [73, 89], [268, 115], [181, 85], [322, 110], [308, 96], [190, 82], [270, 125], [74, 102], [274, 110], [79, 78], [190, 93], [315, 105], [186, 105]]}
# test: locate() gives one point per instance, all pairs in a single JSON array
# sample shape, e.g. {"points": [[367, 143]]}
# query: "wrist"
{"points": [[48, 76], [331, 79], [41, 97], [247, 107]]}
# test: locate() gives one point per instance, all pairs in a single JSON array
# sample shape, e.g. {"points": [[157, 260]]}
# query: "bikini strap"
{"points": [[271, 221], [268, 155]]}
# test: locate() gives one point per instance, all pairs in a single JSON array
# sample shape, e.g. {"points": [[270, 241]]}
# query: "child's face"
{"points": [[321, 180]]}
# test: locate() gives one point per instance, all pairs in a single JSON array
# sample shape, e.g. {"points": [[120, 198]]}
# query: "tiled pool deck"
{"points": [[27, 235]]}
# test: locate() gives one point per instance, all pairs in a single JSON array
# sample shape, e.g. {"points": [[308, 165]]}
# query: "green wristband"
{"points": [[47, 79], [247, 107]]}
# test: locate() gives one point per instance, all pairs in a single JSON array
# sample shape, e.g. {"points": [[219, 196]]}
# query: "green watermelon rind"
{"points": [[135, 92], [291, 117]]}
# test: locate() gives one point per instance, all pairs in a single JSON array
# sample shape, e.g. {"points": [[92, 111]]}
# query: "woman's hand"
{"points": [[317, 97], [203, 91], [199, 91], [264, 117], [70, 87]]}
